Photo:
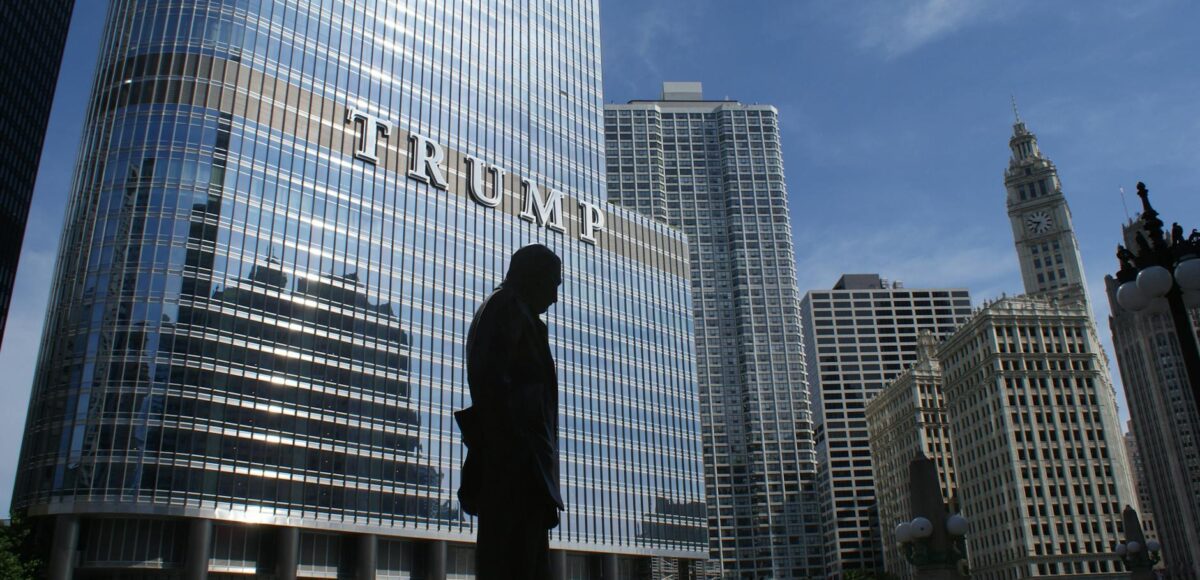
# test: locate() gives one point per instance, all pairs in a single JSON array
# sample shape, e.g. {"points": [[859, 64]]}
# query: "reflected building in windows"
{"points": [[282, 222]]}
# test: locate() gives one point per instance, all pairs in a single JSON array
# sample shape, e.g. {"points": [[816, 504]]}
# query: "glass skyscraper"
{"points": [[33, 34], [714, 169], [283, 219]]}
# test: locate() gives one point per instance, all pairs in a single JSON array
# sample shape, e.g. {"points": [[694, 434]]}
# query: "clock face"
{"points": [[1039, 222]]}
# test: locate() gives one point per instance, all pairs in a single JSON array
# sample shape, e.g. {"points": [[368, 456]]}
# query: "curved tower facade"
{"points": [[283, 219]]}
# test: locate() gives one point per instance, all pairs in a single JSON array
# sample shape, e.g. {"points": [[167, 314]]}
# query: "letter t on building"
{"points": [[366, 134]]}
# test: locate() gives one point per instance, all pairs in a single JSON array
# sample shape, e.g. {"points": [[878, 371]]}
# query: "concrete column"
{"points": [[368, 557], [287, 553], [558, 564], [198, 549], [437, 551], [62, 548], [610, 567]]}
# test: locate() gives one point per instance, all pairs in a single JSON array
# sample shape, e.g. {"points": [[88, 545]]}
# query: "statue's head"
{"points": [[535, 273]]}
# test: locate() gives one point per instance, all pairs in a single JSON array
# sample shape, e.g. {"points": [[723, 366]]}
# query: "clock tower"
{"points": [[1041, 222]]}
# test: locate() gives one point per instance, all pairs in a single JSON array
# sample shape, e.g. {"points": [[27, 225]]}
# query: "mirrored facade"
{"points": [[274, 247]]}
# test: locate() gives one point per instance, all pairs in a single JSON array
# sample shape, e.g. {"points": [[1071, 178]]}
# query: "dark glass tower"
{"points": [[32, 36], [284, 217]]}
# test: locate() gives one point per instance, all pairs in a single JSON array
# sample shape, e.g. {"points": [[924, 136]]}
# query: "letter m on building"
{"points": [[543, 212]]}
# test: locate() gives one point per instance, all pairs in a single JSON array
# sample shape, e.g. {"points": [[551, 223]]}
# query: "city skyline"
{"points": [[1113, 110]]}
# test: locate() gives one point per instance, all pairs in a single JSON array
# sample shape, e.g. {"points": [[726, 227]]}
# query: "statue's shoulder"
{"points": [[500, 303], [502, 313]]}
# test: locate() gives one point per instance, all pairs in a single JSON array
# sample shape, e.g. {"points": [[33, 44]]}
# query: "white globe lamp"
{"points": [[956, 525], [1155, 281], [922, 528], [1132, 298], [1187, 273]]}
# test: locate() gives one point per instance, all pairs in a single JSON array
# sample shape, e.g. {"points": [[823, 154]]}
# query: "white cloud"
{"points": [[656, 33], [917, 254], [897, 27]]}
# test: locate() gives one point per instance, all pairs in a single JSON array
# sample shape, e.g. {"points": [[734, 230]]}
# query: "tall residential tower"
{"points": [[283, 219], [859, 337], [714, 170]]}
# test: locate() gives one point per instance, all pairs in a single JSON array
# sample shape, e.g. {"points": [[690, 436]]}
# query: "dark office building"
{"points": [[32, 36]]}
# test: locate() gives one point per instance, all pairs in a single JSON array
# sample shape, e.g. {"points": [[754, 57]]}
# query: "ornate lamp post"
{"points": [[934, 541], [1139, 555], [1163, 268]]}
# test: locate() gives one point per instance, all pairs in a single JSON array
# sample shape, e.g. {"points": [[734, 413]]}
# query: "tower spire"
{"points": [[1016, 113]]}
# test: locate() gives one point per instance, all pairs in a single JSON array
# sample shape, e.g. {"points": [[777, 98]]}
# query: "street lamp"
{"points": [[1138, 554], [1163, 268], [934, 541]]}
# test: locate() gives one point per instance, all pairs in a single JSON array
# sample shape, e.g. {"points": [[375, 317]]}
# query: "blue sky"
{"points": [[895, 118]]}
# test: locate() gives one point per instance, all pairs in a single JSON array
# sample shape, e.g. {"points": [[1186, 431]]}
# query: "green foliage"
{"points": [[16, 546]]}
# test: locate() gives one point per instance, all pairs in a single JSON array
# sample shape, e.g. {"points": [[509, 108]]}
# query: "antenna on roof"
{"points": [[1124, 205], [1016, 113]]}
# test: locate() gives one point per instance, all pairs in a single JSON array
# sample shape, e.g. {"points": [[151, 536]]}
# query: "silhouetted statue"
{"points": [[510, 476]]}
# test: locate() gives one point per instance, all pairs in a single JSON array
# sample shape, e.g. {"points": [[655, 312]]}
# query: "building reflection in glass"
{"points": [[251, 324]]}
